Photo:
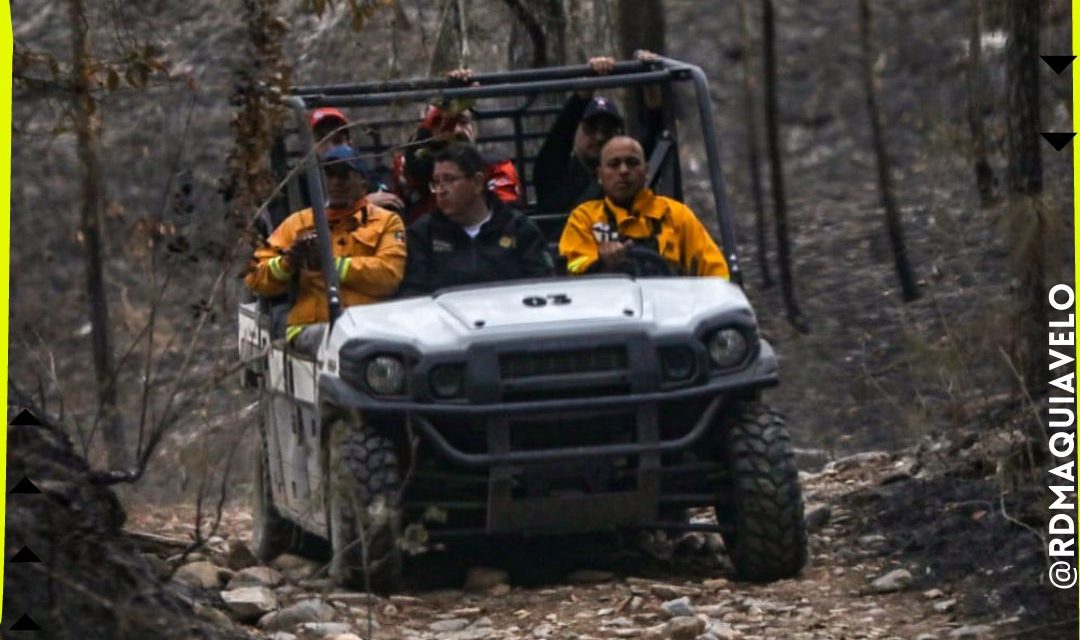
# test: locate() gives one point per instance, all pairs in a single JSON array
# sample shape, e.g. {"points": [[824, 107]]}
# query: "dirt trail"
{"points": [[632, 592]]}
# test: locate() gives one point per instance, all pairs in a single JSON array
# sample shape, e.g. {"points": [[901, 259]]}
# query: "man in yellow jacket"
{"points": [[368, 246], [600, 234]]}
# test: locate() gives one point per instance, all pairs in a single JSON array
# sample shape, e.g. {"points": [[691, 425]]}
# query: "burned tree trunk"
{"points": [[452, 42], [776, 169], [908, 285], [92, 196], [752, 151], [1022, 69], [984, 175], [641, 25], [1027, 223], [545, 25]]}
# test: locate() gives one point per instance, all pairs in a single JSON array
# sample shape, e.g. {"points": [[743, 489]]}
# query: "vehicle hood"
{"points": [[452, 319]]}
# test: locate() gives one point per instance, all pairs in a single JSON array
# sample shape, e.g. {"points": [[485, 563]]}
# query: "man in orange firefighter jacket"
{"points": [[632, 229], [368, 246]]}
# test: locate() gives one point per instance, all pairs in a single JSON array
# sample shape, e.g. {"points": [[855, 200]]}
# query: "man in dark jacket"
{"points": [[565, 171], [472, 236]]}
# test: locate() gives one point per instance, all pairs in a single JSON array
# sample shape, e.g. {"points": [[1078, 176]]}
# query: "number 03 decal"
{"points": [[553, 298]]}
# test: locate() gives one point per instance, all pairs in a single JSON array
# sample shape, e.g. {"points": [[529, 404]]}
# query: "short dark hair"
{"points": [[464, 155]]}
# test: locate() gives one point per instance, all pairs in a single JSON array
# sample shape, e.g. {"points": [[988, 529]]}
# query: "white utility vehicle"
{"points": [[538, 407]]}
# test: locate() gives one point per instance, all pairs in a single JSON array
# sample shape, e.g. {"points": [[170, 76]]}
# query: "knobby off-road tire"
{"points": [[766, 538], [272, 535], [363, 470]]}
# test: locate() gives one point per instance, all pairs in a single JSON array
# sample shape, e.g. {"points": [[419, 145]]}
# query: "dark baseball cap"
{"points": [[601, 106], [344, 156]]}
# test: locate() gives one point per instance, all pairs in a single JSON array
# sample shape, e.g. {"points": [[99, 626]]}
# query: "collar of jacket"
{"points": [[645, 203], [500, 215], [336, 215]]}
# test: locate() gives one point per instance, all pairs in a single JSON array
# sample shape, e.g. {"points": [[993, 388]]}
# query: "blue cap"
{"points": [[346, 156]]}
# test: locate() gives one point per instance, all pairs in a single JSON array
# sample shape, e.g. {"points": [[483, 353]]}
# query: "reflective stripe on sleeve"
{"points": [[578, 265], [342, 268], [292, 331], [277, 270]]}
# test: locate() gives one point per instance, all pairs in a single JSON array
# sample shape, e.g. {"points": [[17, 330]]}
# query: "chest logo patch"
{"points": [[441, 246], [506, 242], [603, 233]]}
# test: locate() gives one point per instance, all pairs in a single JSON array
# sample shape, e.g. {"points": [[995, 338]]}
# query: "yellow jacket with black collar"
{"points": [[681, 238]]}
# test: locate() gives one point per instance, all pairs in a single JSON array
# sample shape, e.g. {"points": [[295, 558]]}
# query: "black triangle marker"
{"points": [[25, 486], [25, 623], [1058, 140], [25, 555], [25, 418], [1058, 63]]}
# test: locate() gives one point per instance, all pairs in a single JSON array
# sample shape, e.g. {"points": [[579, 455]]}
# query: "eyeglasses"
{"points": [[444, 184]]}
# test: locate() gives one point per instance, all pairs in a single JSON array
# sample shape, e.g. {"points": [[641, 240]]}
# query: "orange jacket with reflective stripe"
{"points": [[369, 257], [682, 239]]}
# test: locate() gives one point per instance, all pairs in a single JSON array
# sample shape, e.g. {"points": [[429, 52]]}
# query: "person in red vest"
{"points": [[442, 124]]}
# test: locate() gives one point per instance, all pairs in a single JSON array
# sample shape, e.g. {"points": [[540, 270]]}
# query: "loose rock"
{"points": [[972, 631], [202, 574], [684, 628], [310, 610], [240, 556], [678, 608], [295, 568], [895, 580], [323, 629], [249, 603], [256, 577]]}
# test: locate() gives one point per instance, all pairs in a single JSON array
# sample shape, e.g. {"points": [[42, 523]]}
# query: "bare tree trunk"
{"points": [[750, 113], [984, 175], [1028, 229], [908, 285], [451, 43], [88, 134], [1021, 60], [641, 26], [776, 169], [546, 25]]}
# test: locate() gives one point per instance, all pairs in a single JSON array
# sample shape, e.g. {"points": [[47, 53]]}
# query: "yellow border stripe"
{"points": [[1075, 29], [7, 44]]}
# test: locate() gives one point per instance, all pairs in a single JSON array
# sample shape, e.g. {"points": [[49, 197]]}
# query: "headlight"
{"points": [[678, 363], [447, 381], [385, 375], [727, 348]]}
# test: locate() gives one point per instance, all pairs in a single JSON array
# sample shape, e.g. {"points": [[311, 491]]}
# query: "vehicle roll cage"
{"points": [[530, 83]]}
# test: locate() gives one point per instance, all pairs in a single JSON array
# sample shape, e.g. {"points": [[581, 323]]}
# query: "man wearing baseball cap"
{"points": [[565, 171], [368, 244], [329, 126]]}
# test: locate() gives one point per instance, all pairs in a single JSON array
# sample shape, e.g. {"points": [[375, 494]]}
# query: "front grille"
{"points": [[553, 363]]}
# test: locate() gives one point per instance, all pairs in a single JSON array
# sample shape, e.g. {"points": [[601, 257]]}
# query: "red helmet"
{"points": [[323, 113]]}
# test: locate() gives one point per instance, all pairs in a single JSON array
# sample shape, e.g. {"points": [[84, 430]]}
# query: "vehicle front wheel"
{"points": [[365, 518], [766, 534]]}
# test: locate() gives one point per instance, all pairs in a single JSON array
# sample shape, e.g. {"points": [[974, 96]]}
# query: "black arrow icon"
{"points": [[25, 486], [1058, 140], [27, 419], [1058, 63], [25, 555], [25, 623]]}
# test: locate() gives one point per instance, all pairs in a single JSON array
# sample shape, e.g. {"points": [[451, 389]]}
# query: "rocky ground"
{"points": [[872, 573]]}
